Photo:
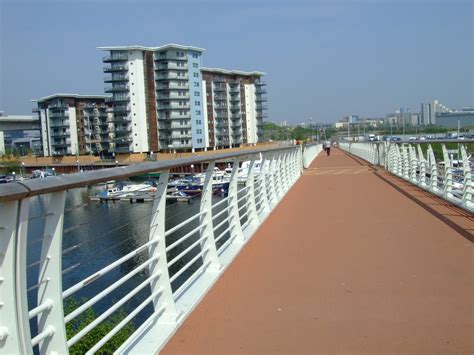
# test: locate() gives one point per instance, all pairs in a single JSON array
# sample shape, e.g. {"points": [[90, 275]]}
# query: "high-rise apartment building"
{"points": [[430, 110], [234, 107], [75, 124], [157, 100]]}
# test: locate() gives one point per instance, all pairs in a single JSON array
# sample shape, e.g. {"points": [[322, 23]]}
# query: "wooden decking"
{"points": [[353, 260]]}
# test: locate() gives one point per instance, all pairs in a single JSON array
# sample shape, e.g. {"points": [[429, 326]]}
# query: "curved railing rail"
{"points": [[447, 178], [171, 266]]}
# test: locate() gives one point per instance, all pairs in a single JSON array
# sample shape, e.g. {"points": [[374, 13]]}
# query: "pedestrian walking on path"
{"points": [[327, 147]]}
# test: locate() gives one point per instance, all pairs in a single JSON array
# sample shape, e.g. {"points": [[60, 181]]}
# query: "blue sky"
{"points": [[324, 59]]}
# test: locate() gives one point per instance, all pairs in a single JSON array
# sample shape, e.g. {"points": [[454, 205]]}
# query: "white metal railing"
{"points": [[177, 263], [447, 178]]}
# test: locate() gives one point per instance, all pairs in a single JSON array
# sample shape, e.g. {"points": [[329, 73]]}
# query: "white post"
{"points": [[277, 177], [468, 182], [250, 199], [208, 245], [272, 193], [50, 279], [433, 170], [264, 205], [157, 251], [422, 160], [234, 220], [448, 174], [15, 336], [414, 165]]}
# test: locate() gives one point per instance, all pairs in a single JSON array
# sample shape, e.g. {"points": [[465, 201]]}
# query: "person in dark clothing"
{"points": [[327, 147]]}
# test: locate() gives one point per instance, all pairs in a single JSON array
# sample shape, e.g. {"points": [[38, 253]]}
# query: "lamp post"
{"points": [[310, 128]]}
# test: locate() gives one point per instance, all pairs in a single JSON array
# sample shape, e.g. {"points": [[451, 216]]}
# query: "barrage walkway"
{"points": [[353, 260]]}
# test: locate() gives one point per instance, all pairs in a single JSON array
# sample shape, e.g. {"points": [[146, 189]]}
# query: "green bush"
{"points": [[98, 332]]}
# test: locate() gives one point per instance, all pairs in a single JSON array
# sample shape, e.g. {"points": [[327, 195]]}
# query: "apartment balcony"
{"points": [[181, 136], [234, 98], [261, 115], [59, 124], [234, 90], [222, 124], [171, 55], [173, 86], [260, 90], [260, 98], [260, 83], [60, 144], [115, 79], [220, 107], [115, 58], [115, 69], [171, 66], [220, 88], [176, 116], [58, 105], [117, 88], [260, 107], [173, 107], [218, 80], [236, 125], [177, 125], [171, 76], [58, 115], [172, 97], [60, 134], [120, 109], [120, 98], [219, 98]]}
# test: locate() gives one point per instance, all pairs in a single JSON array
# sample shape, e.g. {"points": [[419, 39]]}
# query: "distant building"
{"points": [[20, 133], [430, 110], [416, 119], [403, 116], [465, 119], [2, 144], [75, 124], [234, 107]]}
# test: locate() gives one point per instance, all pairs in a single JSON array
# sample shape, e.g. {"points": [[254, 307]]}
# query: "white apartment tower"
{"points": [[235, 107], [74, 124], [157, 97]]}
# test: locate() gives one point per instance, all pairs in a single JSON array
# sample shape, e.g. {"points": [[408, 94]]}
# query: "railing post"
{"points": [[250, 199], [264, 205], [413, 165], [284, 172], [208, 245], [422, 161], [51, 321], [433, 170], [157, 251], [15, 336], [448, 174], [467, 181], [272, 189], [234, 220], [277, 177]]}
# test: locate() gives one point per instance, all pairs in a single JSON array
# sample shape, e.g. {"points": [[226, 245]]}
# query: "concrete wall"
{"points": [[137, 101], [251, 113]]}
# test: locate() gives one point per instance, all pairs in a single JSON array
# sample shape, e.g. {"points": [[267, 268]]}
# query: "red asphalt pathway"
{"points": [[345, 264]]}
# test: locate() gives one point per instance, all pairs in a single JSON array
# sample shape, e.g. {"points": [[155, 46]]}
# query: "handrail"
{"points": [[19, 190], [178, 260], [443, 179]]}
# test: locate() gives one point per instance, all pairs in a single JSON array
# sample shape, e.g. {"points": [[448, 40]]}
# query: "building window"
{"points": [[196, 75], [199, 131], [195, 65], [198, 122], [195, 55], [198, 112], [196, 93], [199, 140], [196, 84], [197, 103]]}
